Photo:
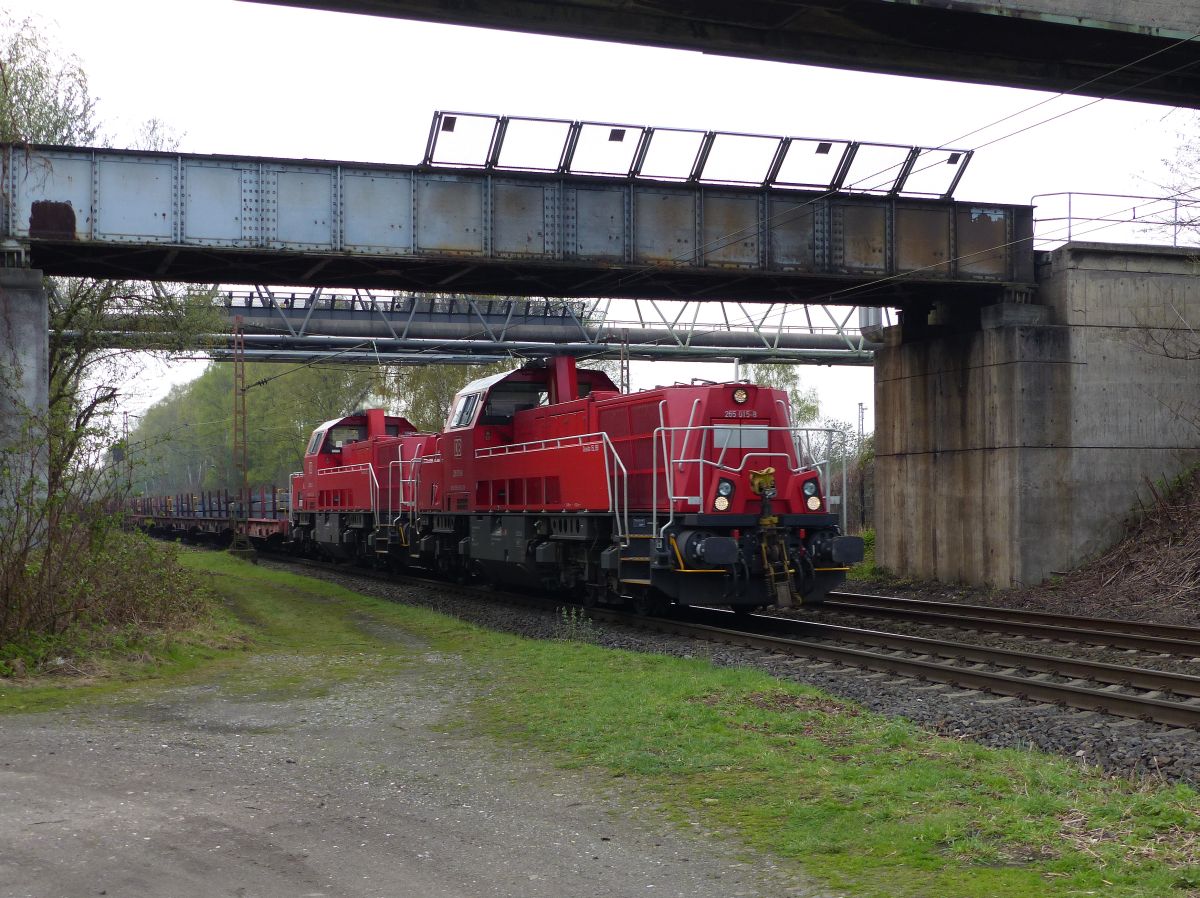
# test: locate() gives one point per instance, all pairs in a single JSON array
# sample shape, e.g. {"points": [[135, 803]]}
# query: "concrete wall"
{"points": [[24, 352], [1016, 450]]}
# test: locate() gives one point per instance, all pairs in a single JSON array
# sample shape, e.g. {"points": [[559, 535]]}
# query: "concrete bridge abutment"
{"points": [[1016, 448], [24, 354]]}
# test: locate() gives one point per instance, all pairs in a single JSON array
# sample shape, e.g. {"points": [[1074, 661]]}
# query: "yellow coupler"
{"points": [[776, 564]]}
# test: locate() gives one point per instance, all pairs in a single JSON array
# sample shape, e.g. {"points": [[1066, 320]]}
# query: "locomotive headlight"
{"points": [[740, 396], [810, 489], [725, 488], [721, 503], [813, 503]]}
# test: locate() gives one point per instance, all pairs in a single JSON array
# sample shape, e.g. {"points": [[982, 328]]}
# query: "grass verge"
{"points": [[866, 569], [873, 806]]}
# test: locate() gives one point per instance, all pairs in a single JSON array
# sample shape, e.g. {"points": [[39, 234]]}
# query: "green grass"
{"points": [[870, 805], [866, 569]]}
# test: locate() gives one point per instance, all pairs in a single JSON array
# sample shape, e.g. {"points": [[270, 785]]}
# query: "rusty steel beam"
{"points": [[222, 219]]}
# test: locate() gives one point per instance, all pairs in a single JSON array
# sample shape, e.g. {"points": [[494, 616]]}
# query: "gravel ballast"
{"points": [[1118, 745]]}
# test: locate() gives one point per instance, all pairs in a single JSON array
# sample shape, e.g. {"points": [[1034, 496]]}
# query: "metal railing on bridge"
{"points": [[1116, 218]]}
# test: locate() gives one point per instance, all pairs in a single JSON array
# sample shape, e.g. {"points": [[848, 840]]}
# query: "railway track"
{"points": [[1150, 695], [1158, 638], [1166, 698]]}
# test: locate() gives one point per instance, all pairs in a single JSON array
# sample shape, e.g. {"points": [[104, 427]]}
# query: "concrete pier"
{"points": [[1016, 449], [24, 352]]}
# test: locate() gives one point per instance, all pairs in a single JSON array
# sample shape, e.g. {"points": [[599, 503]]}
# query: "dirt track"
{"points": [[363, 791]]}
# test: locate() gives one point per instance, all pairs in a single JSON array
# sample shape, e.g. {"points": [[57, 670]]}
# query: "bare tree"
{"points": [[56, 529]]}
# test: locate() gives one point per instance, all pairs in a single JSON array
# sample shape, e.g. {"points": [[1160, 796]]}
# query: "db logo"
{"points": [[458, 448]]}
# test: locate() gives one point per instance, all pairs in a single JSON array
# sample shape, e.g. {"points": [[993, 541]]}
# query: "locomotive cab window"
{"points": [[343, 434], [505, 400], [315, 442], [464, 412]]}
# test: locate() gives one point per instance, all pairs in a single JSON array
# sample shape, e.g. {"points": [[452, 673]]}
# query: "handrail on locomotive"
{"points": [[616, 477]]}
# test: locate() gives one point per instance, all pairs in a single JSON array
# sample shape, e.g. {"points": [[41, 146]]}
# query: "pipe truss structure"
{"points": [[363, 326]]}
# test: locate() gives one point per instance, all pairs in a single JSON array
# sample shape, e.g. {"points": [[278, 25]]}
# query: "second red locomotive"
{"points": [[550, 477]]}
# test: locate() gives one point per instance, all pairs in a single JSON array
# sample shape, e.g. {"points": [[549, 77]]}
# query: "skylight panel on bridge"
{"points": [[670, 154], [604, 149], [739, 158], [522, 143], [876, 168], [936, 172], [810, 162], [461, 139], [531, 144]]}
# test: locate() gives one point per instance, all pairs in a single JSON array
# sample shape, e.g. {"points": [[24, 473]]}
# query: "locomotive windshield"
{"points": [[505, 400], [464, 411], [743, 436]]}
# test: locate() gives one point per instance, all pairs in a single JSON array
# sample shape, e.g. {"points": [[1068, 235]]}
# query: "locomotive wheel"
{"points": [[646, 602], [603, 593]]}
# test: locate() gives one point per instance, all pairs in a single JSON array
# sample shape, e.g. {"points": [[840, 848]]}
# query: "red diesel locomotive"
{"points": [[550, 477]]}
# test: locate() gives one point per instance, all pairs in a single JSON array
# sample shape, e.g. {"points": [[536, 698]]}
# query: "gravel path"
{"points": [[365, 791], [1118, 745]]}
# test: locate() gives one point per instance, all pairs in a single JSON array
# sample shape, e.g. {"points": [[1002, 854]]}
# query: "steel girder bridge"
{"points": [[520, 207]]}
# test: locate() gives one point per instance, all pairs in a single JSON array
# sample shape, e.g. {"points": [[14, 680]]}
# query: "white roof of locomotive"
{"points": [[482, 383]]}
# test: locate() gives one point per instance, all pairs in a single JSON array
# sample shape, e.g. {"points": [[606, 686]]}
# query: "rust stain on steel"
{"points": [[864, 238], [52, 220], [665, 227], [730, 232], [923, 241], [982, 242]]}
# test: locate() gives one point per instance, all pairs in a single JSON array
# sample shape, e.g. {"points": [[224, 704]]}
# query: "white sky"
{"points": [[253, 79]]}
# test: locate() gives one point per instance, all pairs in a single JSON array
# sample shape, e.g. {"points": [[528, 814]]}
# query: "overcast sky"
{"points": [[246, 78]]}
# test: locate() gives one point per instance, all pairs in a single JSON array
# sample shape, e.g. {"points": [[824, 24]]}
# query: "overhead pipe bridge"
{"points": [[291, 325]]}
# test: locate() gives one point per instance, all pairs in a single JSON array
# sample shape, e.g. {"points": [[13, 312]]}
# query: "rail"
{"points": [[1127, 635], [616, 476], [1112, 624], [1163, 697]]}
